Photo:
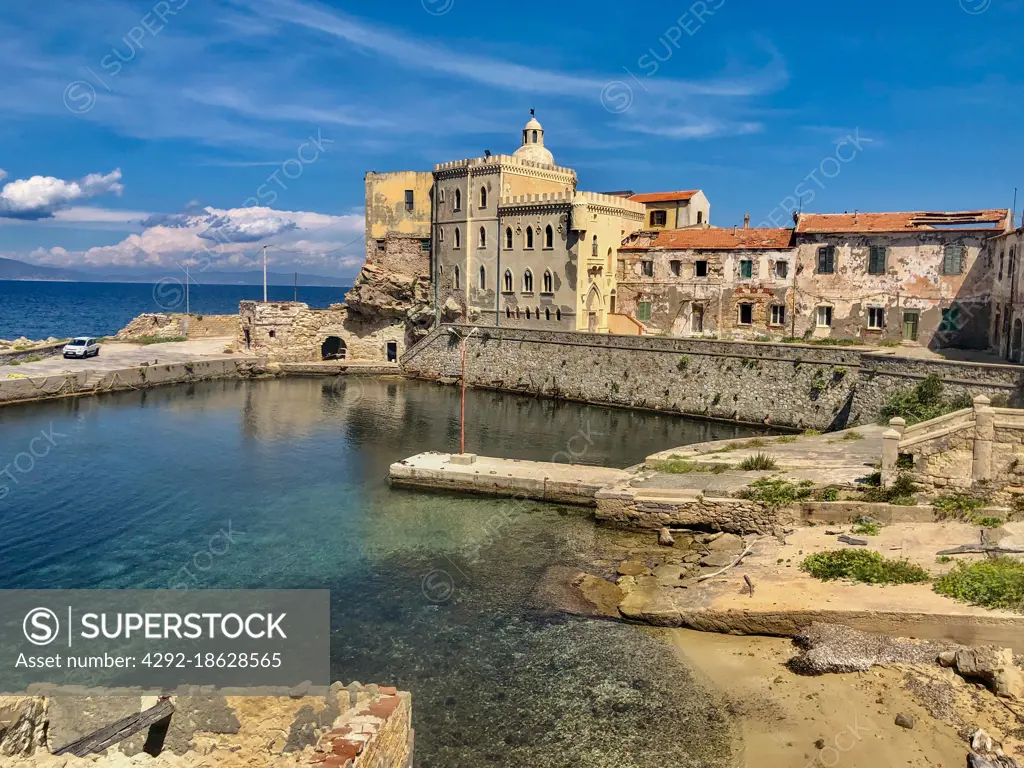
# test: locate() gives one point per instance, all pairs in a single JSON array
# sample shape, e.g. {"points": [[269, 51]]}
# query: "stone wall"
{"points": [[787, 385], [176, 325], [624, 509], [17, 356]]}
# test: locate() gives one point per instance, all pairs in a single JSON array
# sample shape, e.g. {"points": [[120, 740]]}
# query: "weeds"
{"points": [[922, 403], [996, 583], [901, 492], [676, 465], [865, 526], [862, 565], [776, 493], [958, 506], [158, 339], [759, 462], [684, 363], [786, 439], [829, 494]]}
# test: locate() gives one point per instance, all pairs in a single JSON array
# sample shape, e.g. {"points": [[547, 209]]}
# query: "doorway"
{"points": [[392, 350], [333, 348], [910, 323], [1015, 346]]}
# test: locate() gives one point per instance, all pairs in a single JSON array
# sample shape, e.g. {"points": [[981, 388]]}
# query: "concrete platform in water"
{"points": [[540, 480]]}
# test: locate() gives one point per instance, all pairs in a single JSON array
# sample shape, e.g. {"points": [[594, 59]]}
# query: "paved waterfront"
{"points": [[114, 356]]}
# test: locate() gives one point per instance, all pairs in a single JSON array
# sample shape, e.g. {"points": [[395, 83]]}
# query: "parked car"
{"points": [[82, 346]]}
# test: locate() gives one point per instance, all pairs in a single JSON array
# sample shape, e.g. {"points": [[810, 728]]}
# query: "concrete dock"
{"points": [[540, 480]]}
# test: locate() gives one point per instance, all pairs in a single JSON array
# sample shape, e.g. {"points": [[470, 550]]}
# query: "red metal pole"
{"points": [[462, 419]]}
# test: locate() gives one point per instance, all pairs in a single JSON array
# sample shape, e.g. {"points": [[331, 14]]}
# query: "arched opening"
{"points": [[548, 282], [609, 262], [483, 277], [529, 237], [458, 238], [528, 282], [593, 246], [527, 313], [508, 312], [700, 217], [483, 197], [1018, 330], [508, 281], [440, 234], [534, 137], [549, 237], [558, 314], [594, 303], [333, 348], [547, 313], [457, 279], [458, 199], [508, 238], [483, 237]]}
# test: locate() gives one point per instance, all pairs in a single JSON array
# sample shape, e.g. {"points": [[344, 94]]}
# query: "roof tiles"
{"points": [[912, 221], [711, 239]]}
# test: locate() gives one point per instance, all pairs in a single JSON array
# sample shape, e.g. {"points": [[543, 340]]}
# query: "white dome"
{"points": [[533, 149]]}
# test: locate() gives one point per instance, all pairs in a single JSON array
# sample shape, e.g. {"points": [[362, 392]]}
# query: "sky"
{"points": [[138, 135]]}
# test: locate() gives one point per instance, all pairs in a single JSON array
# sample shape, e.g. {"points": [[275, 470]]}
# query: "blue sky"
{"points": [[156, 126]]}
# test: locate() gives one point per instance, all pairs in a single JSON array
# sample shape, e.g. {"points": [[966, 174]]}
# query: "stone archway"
{"points": [[333, 348]]}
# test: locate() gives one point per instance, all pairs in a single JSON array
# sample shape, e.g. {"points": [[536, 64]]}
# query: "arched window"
{"points": [[558, 314], [508, 281], [549, 237], [483, 277], [508, 238], [527, 313], [458, 238], [534, 137], [483, 197], [700, 217], [440, 234], [593, 246], [548, 282], [611, 261], [547, 313], [518, 311], [483, 237], [529, 237], [508, 312], [457, 280], [528, 282], [458, 200]]}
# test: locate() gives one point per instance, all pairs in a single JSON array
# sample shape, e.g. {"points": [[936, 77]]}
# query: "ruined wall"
{"points": [[790, 385], [170, 325]]}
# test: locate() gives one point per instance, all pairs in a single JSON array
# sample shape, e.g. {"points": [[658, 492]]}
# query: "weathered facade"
{"points": [[1007, 311], [398, 203], [675, 210]]}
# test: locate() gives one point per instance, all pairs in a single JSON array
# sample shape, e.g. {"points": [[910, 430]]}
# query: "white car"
{"points": [[83, 346]]}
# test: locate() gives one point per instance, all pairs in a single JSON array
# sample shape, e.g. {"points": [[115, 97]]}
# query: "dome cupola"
{"points": [[533, 149]]}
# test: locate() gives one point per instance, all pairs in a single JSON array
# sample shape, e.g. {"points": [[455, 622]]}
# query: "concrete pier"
{"points": [[540, 480]]}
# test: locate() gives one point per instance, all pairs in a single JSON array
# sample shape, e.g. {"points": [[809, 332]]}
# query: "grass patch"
{"points": [[958, 506], [862, 565], [995, 583], [921, 403], [888, 343], [759, 462], [864, 526], [829, 494], [901, 492], [810, 433], [776, 493], [786, 439], [853, 435], [158, 339], [943, 559], [680, 466]]}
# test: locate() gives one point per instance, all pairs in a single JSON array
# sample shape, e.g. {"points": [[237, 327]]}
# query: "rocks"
{"points": [[903, 720], [718, 559], [633, 568], [22, 725], [665, 538], [831, 648], [994, 667], [726, 542], [981, 741]]}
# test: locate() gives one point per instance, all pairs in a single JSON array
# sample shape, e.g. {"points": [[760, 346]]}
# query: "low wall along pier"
{"points": [[790, 385]]}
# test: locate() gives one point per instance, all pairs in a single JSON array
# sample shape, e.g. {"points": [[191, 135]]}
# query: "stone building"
{"points": [[1007, 314], [920, 277], [708, 282], [399, 203], [516, 244], [675, 210]]}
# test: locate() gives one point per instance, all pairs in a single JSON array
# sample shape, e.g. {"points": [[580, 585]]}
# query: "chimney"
{"points": [[855, 213], [746, 221]]}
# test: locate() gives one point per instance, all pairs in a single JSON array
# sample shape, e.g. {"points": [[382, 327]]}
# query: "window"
{"points": [[529, 237], [549, 237], [746, 269], [508, 312], [700, 269], [746, 314], [440, 197], [508, 281], [953, 260], [643, 311], [483, 237], [593, 247], [782, 269], [528, 282], [547, 313], [548, 282], [440, 234], [876, 318], [697, 319], [647, 268], [528, 313], [457, 279], [483, 197], [534, 137], [826, 260], [409, 200], [425, 244], [458, 200], [380, 246], [483, 277], [1002, 255], [558, 314], [824, 317], [876, 260], [458, 238], [508, 238], [700, 217], [950, 320], [778, 314], [658, 218], [674, 267]]}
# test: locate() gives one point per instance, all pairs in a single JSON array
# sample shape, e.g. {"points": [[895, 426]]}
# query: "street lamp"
{"points": [[462, 415]]}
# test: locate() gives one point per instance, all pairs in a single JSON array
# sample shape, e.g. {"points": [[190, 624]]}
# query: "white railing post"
{"points": [[890, 455], [984, 435]]}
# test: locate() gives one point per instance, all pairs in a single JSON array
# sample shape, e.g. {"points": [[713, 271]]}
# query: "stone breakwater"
{"points": [[792, 385]]}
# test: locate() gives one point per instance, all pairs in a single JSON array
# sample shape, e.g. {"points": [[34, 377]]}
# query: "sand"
{"points": [[781, 716]]}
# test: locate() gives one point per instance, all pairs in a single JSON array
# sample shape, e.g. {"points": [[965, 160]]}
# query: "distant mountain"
{"points": [[11, 269]]}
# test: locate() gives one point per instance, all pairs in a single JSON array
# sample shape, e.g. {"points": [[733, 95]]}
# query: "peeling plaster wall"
{"points": [[385, 205], [1006, 331]]}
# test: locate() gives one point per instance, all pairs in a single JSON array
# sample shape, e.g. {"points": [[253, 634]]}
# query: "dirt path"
{"points": [[783, 715]]}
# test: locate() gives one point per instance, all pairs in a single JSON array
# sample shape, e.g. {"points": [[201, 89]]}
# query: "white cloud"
{"points": [[41, 196]]}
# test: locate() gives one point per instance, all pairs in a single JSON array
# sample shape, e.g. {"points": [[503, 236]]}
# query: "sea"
{"points": [[39, 310]]}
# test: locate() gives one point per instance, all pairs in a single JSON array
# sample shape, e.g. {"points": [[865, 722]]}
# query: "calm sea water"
{"points": [[39, 310], [447, 597]]}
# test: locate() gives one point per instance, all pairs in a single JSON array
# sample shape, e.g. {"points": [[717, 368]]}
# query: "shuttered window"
{"points": [[953, 260], [876, 260], [643, 311], [826, 260]]}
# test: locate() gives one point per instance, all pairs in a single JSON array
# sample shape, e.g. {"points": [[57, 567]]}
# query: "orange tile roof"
{"points": [[912, 221], [710, 239], [664, 197]]}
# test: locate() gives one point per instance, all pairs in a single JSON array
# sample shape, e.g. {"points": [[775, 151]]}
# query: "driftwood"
{"points": [[981, 549], [850, 540], [750, 585], [733, 564], [108, 736]]}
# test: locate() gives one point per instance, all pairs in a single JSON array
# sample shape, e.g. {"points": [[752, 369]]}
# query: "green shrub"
{"points": [[901, 492], [943, 559], [957, 506], [921, 403], [862, 565], [679, 466], [683, 364], [158, 339], [776, 493], [996, 583], [830, 494], [864, 526], [987, 521], [759, 461], [810, 433]]}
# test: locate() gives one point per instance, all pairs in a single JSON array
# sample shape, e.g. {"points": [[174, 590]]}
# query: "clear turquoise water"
{"points": [[444, 596]]}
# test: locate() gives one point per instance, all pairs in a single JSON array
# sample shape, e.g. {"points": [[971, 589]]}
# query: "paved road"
{"points": [[117, 355]]}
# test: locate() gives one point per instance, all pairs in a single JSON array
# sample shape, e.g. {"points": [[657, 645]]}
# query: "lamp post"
{"points": [[462, 415]]}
